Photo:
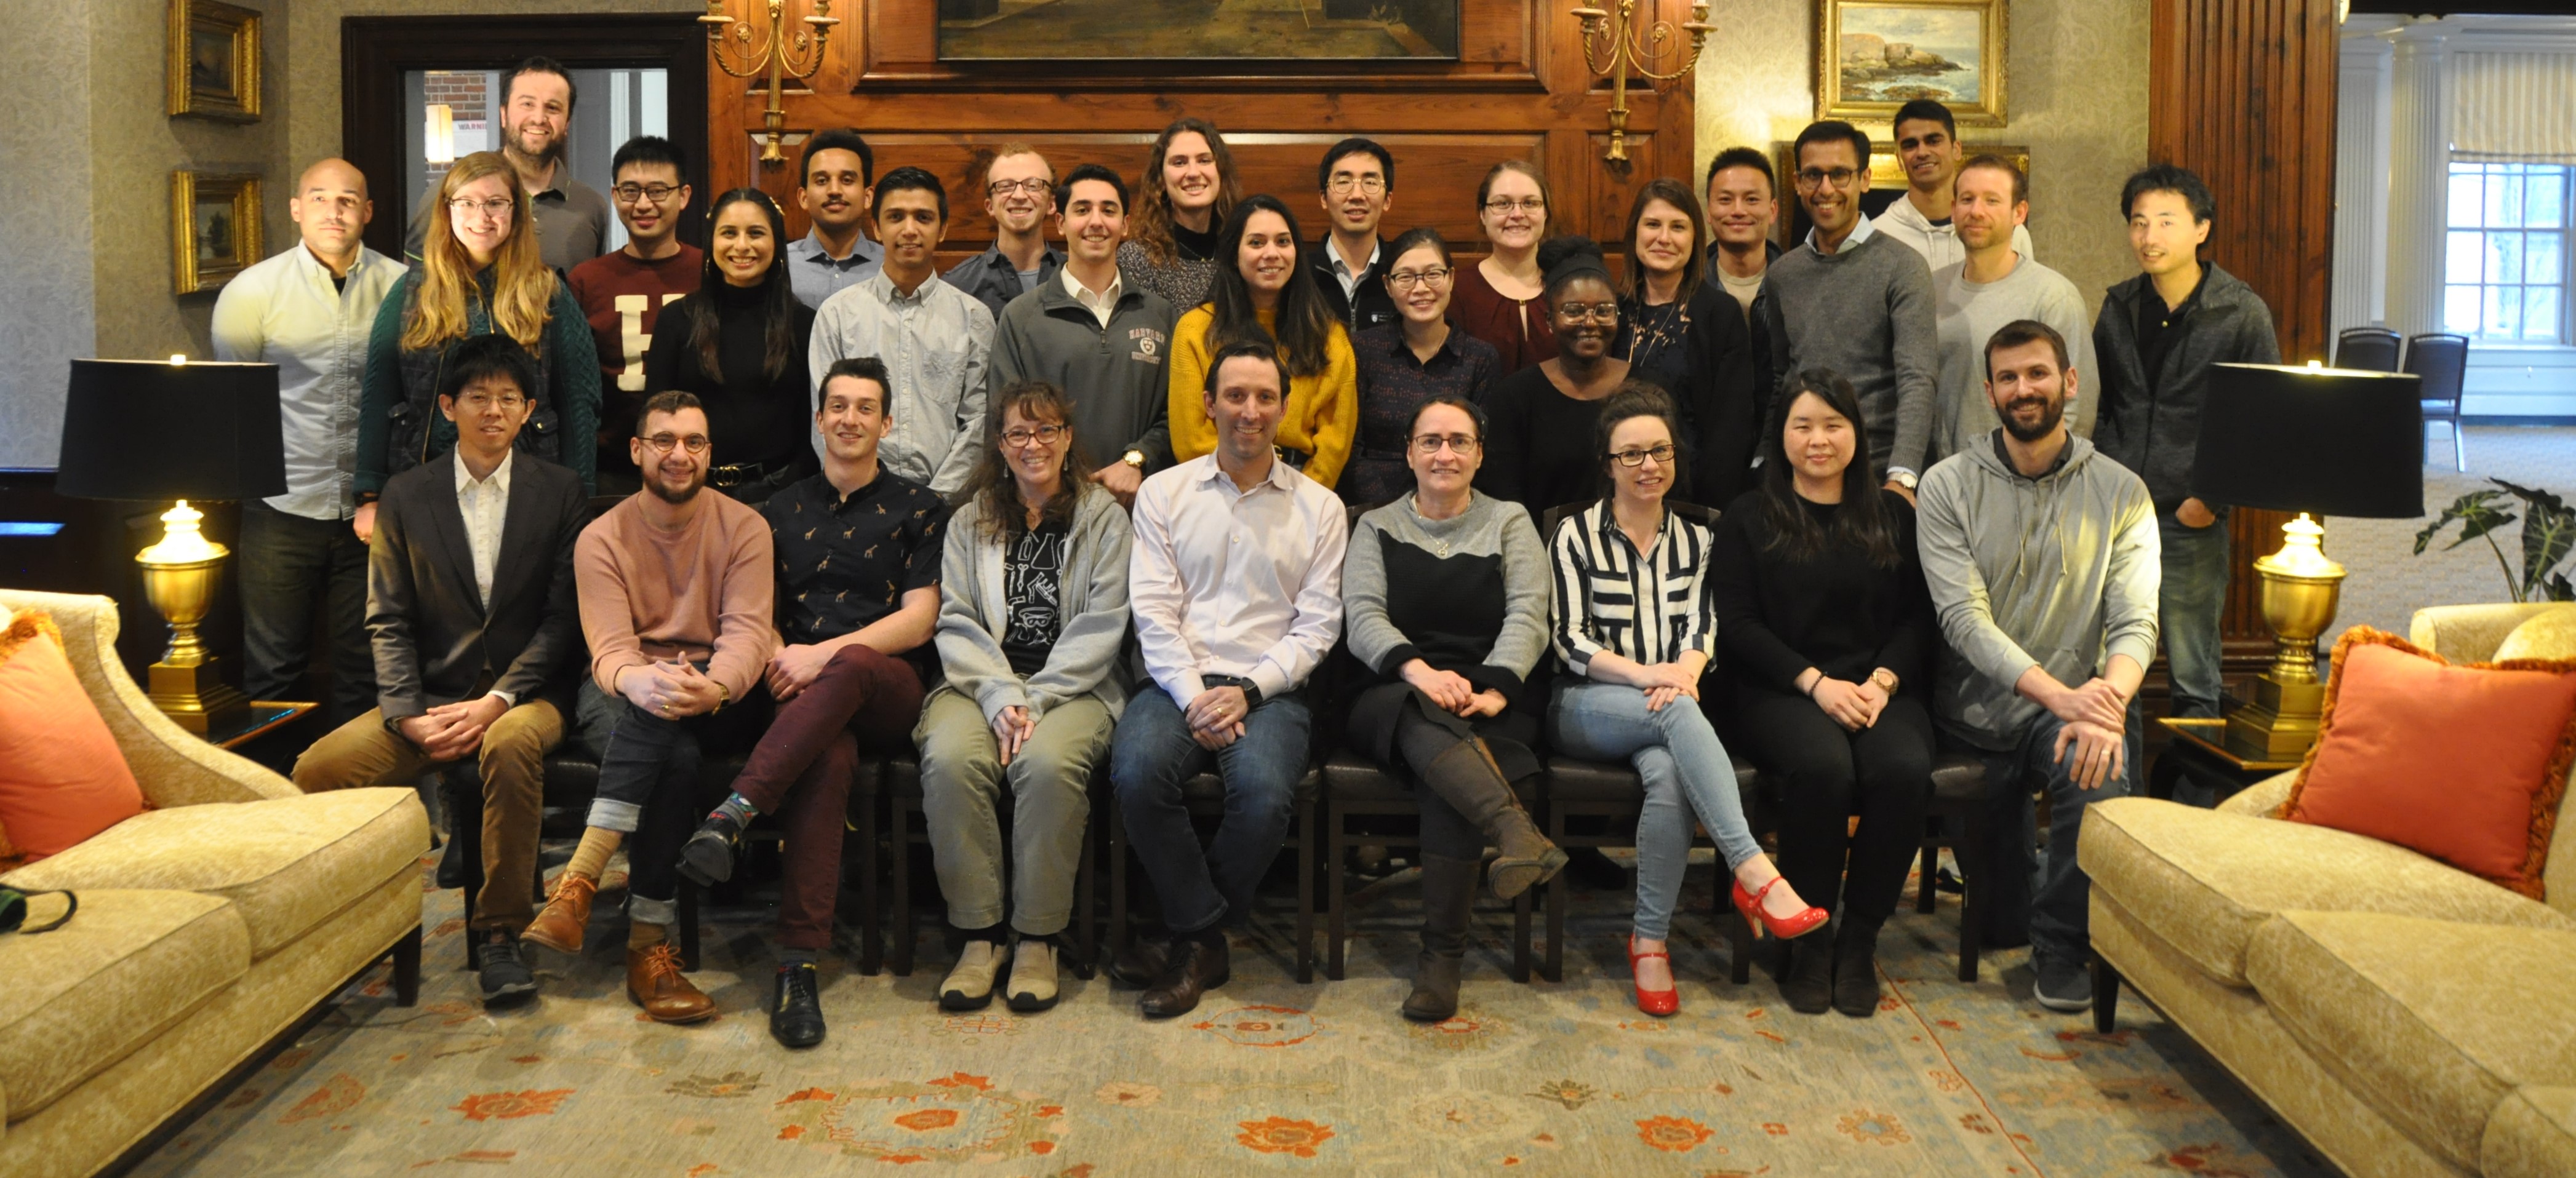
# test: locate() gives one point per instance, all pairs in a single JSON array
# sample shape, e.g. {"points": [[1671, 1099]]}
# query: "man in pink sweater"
{"points": [[676, 592]]}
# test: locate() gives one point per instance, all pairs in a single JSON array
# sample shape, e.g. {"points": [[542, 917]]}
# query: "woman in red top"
{"points": [[1497, 300]]}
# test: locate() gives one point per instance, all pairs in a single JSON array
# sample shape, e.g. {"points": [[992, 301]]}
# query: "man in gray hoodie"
{"points": [[2041, 556]]}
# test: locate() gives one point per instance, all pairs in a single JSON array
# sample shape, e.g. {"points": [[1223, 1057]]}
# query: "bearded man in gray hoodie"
{"points": [[2041, 556]]}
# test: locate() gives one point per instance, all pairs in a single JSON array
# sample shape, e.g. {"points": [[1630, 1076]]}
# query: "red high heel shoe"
{"points": [[1659, 1003], [1800, 924]]}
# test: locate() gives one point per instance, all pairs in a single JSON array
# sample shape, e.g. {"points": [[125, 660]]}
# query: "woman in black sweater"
{"points": [[1828, 632], [739, 344], [1541, 454]]}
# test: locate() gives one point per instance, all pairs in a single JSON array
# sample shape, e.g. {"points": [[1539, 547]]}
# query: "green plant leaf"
{"points": [[2559, 589], [2477, 513], [2548, 532]]}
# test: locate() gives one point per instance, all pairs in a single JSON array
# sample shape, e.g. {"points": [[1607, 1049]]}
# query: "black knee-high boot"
{"points": [[1448, 897]]}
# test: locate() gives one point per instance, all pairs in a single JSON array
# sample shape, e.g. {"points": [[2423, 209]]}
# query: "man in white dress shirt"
{"points": [[1236, 586]]}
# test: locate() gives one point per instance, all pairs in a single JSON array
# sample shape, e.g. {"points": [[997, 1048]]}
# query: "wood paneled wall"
{"points": [[1518, 90], [2243, 92]]}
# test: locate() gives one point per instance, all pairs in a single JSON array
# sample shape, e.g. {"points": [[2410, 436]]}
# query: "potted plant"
{"points": [[2548, 532]]}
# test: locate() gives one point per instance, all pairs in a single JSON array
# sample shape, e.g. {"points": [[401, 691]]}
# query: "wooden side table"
{"points": [[2200, 743], [265, 716]]}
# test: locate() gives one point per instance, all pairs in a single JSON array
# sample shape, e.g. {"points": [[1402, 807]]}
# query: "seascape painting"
{"points": [[1876, 55], [1197, 29]]}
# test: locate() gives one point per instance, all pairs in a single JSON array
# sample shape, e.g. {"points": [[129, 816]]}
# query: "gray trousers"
{"points": [[962, 779]]}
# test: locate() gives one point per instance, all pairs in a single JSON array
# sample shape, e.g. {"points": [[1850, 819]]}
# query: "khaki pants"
{"points": [[962, 776], [364, 752]]}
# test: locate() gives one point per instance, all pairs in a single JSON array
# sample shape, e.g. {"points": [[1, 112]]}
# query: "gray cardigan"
{"points": [[972, 609]]}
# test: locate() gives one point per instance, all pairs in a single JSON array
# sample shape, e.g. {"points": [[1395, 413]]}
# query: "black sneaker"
{"points": [[707, 858], [2063, 986], [503, 975], [795, 1012]]}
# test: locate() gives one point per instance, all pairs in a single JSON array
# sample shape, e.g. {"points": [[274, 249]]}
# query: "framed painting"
{"points": [[1198, 30], [1873, 56], [214, 228], [214, 61]]}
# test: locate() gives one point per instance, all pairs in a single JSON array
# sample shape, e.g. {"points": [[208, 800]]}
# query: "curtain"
{"points": [[2514, 107]]}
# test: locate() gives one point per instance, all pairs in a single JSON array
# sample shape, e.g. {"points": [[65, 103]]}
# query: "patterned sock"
{"points": [[736, 807], [644, 935], [591, 857]]}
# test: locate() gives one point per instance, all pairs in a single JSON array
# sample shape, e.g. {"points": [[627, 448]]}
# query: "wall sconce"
{"points": [[1615, 44], [782, 52]]}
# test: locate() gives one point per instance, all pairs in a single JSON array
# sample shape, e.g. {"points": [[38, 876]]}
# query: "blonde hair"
{"points": [[523, 288]]}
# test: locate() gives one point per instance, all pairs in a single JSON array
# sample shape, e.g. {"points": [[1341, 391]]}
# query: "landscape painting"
{"points": [[1876, 56], [1306, 30]]}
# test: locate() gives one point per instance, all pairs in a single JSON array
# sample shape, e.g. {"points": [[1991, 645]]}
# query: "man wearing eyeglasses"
{"points": [[1861, 303], [1019, 188], [1357, 186], [622, 293], [536, 122], [471, 609]]}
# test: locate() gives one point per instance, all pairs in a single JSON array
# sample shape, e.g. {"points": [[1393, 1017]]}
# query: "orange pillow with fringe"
{"points": [[2463, 763], [62, 778]]}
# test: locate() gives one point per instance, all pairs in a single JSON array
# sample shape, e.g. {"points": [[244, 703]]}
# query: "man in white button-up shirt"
{"points": [[1236, 586], [308, 311]]}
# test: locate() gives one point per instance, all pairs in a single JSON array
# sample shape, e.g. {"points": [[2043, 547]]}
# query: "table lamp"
{"points": [[2314, 440], [149, 430]]}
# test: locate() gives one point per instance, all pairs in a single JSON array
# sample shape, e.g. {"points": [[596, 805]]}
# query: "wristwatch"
{"points": [[1133, 457], [1903, 478], [1886, 680]]}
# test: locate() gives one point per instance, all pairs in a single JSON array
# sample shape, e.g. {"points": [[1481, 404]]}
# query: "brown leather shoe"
{"points": [[654, 981], [1197, 966], [558, 926]]}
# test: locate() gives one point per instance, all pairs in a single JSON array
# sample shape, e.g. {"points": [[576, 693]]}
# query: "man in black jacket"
{"points": [[471, 610], [2156, 340], [1356, 185]]}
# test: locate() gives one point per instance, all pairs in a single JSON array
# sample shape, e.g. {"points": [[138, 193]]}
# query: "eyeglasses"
{"points": [[657, 193], [1342, 185], [1032, 187], [498, 208], [1839, 177], [1430, 444], [1661, 454], [662, 443], [479, 402], [1503, 205], [1408, 279], [1042, 434], [1588, 312]]}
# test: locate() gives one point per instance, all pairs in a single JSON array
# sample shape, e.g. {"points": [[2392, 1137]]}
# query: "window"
{"points": [[2505, 266]]}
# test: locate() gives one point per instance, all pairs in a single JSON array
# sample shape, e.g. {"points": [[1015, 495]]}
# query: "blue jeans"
{"points": [[2187, 609], [2049, 895], [1686, 771], [289, 565], [1152, 754]]}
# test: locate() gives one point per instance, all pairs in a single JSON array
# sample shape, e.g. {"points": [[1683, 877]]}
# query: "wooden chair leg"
{"points": [[1085, 959], [1306, 845], [2106, 994], [1552, 965], [1928, 875], [1117, 865], [406, 958], [1970, 850], [688, 905], [1336, 898], [1521, 937], [899, 839], [1740, 941]]}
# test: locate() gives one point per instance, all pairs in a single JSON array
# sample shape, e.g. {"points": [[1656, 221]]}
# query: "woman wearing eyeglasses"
{"points": [[1444, 598], [1635, 625], [1408, 363], [479, 273], [739, 343], [1032, 617], [1498, 298], [1542, 455]]}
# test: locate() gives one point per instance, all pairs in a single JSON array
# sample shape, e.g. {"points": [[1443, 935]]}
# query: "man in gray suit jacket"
{"points": [[471, 609]]}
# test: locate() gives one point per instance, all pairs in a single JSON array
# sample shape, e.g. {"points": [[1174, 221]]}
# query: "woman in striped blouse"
{"points": [[1635, 625]]}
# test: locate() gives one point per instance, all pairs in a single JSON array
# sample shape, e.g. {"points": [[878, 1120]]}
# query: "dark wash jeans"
{"points": [[287, 563], [2046, 894], [1149, 758]]}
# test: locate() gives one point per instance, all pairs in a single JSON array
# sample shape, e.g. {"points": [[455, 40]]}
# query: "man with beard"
{"points": [[676, 588], [2041, 558], [1993, 284], [1017, 188], [1927, 146], [536, 119]]}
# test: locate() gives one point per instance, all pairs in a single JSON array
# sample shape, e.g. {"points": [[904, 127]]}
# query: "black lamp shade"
{"points": [[149, 429], [2330, 441]]}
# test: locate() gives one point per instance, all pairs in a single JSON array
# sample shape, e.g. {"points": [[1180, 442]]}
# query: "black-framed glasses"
{"points": [[1408, 279], [1342, 185], [1047, 434], [1502, 205], [630, 192], [1430, 444], [1032, 187], [1661, 454], [662, 443], [1588, 312], [1839, 177]]}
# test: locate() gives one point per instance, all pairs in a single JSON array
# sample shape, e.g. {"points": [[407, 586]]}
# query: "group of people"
{"points": [[1113, 506]]}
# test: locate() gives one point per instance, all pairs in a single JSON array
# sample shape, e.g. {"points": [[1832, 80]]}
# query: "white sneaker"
{"points": [[970, 985], [1032, 985]]}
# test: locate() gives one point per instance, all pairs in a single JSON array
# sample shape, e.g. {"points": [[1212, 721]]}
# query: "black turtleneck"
{"points": [[1194, 245], [751, 417]]}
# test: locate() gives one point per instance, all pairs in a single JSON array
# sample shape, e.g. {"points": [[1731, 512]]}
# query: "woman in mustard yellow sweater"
{"points": [[1265, 289]]}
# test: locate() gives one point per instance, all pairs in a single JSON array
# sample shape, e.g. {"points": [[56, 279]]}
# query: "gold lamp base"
{"points": [[179, 578], [2299, 592]]}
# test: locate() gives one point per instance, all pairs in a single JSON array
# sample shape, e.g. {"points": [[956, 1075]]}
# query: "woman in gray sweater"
{"points": [[1444, 598], [1032, 617]]}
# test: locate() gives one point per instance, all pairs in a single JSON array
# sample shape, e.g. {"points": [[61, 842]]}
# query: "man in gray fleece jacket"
{"points": [[2041, 557]]}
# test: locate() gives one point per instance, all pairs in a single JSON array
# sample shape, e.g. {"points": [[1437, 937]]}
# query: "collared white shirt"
{"points": [[1861, 232], [485, 504], [1102, 305], [816, 275], [286, 311], [1229, 582], [1342, 272], [936, 343]]}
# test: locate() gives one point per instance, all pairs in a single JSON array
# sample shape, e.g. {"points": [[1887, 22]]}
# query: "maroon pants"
{"points": [[800, 772]]}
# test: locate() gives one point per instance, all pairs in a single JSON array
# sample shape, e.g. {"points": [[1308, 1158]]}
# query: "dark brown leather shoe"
{"points": [[1197, 966], [1136, 966], [559, 925], [654, 982]]}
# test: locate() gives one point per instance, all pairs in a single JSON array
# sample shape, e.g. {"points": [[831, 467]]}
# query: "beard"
{"points": [[551, 152], [2052, 412], [664, 491]]}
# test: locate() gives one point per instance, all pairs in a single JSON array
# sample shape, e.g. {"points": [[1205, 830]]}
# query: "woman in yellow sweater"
{"points": [[1265, 289]]}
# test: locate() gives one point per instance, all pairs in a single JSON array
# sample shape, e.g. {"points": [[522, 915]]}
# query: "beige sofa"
{"points": [[2408, 1018], [211, 927]]}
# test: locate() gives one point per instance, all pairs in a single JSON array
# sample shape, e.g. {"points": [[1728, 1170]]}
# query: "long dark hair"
{"points": [[992, 485], [1863, 521], [1305, 322], [776, 295], [1150, 222]]}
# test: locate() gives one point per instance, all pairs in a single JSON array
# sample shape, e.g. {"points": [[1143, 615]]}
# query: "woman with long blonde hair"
{"points": [[478, 274]]}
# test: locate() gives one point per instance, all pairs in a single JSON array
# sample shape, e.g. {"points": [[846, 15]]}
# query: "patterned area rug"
{"points": [[1267, 1076]]}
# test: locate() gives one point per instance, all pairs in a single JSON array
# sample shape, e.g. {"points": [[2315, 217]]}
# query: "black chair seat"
{"points": [[1571, 780], [1958, 777]]}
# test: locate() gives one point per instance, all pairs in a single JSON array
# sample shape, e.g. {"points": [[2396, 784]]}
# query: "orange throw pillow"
{"points": [[2465, 763], [62, 778]]}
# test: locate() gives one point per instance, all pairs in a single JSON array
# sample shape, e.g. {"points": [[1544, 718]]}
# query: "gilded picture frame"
{"points": [[1873, 56], [214, 228], [213, 55]]}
